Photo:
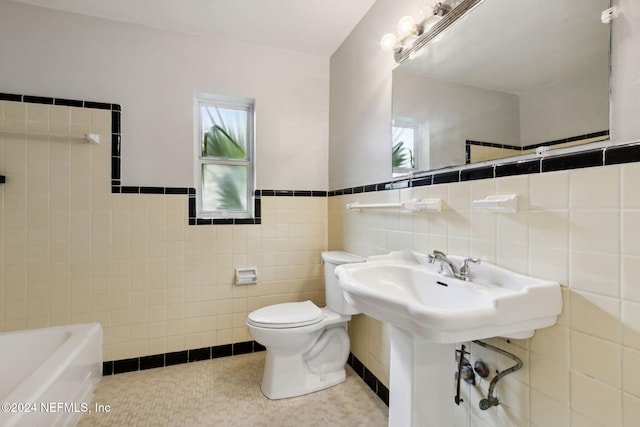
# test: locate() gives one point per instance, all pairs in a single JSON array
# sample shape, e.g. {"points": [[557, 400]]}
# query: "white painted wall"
{"points": [[360, 108], [361, 92], [154, 73], [578, 106]]}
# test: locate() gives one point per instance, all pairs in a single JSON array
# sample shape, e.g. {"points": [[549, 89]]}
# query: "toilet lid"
{"points": [[286, 315]]}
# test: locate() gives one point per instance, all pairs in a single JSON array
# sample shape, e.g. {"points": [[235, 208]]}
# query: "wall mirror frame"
{"points": [[498, 80]]}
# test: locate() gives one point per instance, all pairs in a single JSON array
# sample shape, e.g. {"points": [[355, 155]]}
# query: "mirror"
{"points": [[505, 79]]}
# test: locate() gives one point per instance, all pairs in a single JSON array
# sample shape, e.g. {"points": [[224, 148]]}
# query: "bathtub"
{"points": [[48, 375]]}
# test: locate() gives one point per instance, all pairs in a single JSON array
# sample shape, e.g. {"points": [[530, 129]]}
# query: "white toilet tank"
{"points": [[332, 291]]}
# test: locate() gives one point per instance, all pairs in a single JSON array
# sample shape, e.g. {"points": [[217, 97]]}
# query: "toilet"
{"points": [[307, 346]]}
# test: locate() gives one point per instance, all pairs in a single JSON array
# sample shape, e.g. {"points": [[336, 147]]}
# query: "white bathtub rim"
{"points": [[42, 378], [25, 391]]}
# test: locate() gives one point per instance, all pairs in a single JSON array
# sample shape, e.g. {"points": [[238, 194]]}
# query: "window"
{"points": [[405, 145], [224, 165]]}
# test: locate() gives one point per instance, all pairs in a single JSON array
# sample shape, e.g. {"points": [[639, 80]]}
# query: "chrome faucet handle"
{"points": [[464, 270]]}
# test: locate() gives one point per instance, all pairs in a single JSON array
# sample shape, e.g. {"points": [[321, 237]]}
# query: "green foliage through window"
{"points": [[226, 136], [401, 156], [403, 148]]}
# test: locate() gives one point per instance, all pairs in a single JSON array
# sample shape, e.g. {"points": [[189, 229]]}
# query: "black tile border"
{"points": [[482, 172], [583, 159], [58, 101], [423, 181], [469, 142], [622, 154], [446, 177], [603, 156], [523, 167], [602, 133], [179, 357], [367, 376], [289, 193], [10, 97], [37, 99]]}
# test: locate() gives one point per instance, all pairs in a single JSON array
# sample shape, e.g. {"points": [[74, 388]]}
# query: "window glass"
{"points": [[224, 164], [404, 155], [224, 187], [224, 132]]}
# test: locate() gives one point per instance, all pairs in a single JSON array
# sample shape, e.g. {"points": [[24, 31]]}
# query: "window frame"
{"points": [[228, 102]]}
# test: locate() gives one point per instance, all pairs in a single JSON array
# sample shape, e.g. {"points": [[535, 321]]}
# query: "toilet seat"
{"points": [[286, 315]]}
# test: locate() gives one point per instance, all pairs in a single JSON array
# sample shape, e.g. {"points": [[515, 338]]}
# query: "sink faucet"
{"points": [[448, 268]]}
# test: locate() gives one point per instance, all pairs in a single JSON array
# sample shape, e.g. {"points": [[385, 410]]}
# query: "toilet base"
{"points": [[289, 375], [275, 389]]}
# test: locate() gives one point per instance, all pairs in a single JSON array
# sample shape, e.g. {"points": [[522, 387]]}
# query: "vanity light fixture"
{"points": [[408, 29]]}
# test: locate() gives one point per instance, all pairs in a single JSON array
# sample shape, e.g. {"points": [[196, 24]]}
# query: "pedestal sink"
{"points": [[429, 313]]}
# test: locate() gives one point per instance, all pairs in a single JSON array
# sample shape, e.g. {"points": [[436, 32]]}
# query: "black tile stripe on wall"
{"points": [[628, 153], [604, 156], [603, 133], [371, 380], [178, 357]]}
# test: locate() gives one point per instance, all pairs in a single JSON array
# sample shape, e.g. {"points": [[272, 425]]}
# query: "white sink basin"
{"points": [[405, 290]]}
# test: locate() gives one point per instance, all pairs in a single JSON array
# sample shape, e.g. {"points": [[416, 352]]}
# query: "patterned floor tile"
{"points": [[226, 392]]}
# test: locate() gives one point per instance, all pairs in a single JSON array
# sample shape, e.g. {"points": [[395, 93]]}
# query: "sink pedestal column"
{"points": [[421, 381]]}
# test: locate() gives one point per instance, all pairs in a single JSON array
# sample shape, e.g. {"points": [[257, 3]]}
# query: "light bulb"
{"points": [[389, 42], [406, 26]]}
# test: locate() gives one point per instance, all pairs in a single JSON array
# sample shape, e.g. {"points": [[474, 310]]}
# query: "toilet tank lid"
{"points": [[341, 257]]}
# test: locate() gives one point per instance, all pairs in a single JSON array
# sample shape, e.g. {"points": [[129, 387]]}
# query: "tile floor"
{"points": [[226, 392]]}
